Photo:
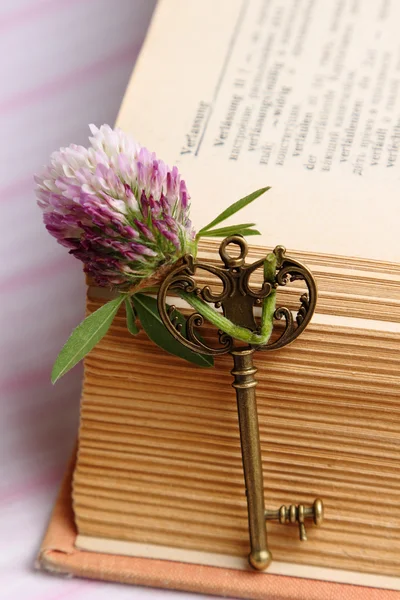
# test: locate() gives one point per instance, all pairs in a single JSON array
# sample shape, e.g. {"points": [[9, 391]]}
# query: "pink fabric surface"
{"points": [[64, 64]]}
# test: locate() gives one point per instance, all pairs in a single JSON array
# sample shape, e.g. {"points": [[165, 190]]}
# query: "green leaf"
{"points": [[232, 230], [238, 226], [146, 308], [84, 337], [130, 317], [232, 209]]}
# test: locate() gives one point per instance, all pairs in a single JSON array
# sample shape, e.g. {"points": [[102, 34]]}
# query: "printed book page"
{"points": [[302, 96]]}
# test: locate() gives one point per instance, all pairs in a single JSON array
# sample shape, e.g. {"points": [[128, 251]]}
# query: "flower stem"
{"points": [[235, 331], [268, 308]]}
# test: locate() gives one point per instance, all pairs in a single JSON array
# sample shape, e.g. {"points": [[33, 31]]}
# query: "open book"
{"points": [[304, 97]]}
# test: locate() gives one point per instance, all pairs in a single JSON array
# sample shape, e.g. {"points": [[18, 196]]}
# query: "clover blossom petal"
{"points": [[118, 208]]}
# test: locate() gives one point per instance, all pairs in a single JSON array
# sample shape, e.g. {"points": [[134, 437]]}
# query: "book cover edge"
{"points": [[58, 556]]}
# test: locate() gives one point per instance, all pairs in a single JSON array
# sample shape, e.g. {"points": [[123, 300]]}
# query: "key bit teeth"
{"points": [[318, 511], [298, 514], [303, 533]]}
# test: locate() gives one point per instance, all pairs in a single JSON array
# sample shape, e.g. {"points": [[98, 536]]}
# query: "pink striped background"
{"points": [[65, 63]]}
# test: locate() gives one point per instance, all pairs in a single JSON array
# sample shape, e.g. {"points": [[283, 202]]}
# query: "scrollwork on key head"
{"points": [[238, 298], [288, 272], [182, 279]]}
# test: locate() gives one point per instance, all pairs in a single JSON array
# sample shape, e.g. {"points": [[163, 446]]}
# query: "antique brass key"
{"points": [[238, 300]]}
